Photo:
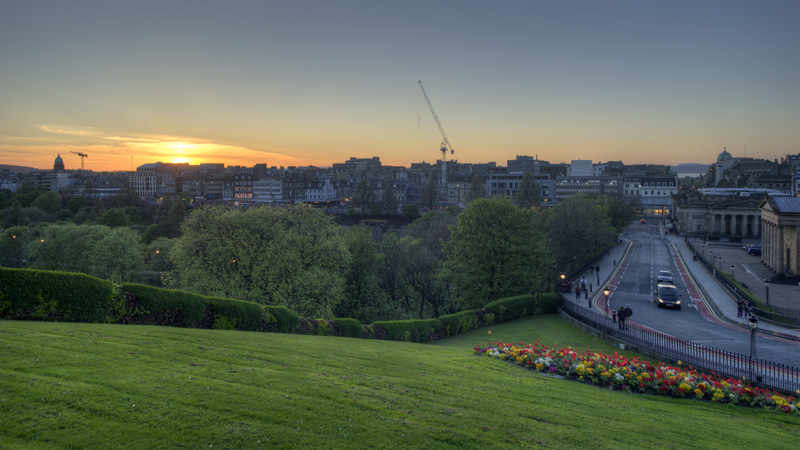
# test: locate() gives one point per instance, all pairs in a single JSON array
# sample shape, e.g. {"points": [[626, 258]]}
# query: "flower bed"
{"points": [[637, 375]]}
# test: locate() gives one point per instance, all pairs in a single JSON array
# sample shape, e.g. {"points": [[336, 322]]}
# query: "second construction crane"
{"points": [[83, 156], [445, 145]]}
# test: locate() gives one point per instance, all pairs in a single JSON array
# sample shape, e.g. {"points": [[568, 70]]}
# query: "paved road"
{"points": [[694, 322]]}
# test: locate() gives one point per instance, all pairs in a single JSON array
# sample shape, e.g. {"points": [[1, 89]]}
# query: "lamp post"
{"points": [[766, 286], [563, 276], [753, 328], [733, 272], [713, 266], [606, 292]]}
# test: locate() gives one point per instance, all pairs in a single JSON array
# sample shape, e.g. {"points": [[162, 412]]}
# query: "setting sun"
{"points": [[180, 160]]}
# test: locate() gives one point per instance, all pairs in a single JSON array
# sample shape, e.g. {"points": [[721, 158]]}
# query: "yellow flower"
{"points": [[698, 393], [538, 366], [639, 378]]}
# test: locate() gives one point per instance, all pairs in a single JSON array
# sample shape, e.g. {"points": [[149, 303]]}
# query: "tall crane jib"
{"points": [[445, 145]]}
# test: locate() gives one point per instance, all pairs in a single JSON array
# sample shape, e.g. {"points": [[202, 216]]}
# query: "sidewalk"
{"points": [[609, 267], [718, 299]]}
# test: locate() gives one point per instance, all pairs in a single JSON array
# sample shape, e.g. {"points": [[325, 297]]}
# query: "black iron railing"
{"points": [[768, 374]]}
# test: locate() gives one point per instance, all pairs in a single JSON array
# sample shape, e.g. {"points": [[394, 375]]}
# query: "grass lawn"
{"points": [[122, 386]]}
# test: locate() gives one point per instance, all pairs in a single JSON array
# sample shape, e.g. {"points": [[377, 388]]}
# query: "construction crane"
{"points": [[445, 145], [83, 156]]}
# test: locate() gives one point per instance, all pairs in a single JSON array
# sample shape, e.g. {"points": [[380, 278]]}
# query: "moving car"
{"points": [[667, 296], [664, 277], [754, 250], [642, 220]]}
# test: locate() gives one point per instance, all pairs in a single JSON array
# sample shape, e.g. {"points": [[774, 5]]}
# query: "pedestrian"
{"points": [[577, 292], [583, 283], [739, 308], [747, 307], [628, 314], [621, 318], [597, 269]]}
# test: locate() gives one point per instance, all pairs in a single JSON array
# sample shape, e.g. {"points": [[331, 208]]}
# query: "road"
{"points": [[652, 253]]}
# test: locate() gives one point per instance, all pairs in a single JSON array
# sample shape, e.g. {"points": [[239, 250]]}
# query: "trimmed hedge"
{"points": [[511, 308], [349, 327], [409, 330], [152, 305], [460, 322], [549, 302], [286, 319], [45, 295]]}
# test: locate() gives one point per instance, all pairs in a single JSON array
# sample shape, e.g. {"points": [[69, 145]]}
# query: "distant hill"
{"points": [[18, 169], [690, 168]]}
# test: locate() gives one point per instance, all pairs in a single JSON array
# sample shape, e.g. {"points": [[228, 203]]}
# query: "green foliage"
{"points": [[477, 188], [410, 211], [494, 252], [528, 194], [429, 194], [513, 307], [75, 203], [549, 302], [291, 256], [49, 202], [460, 322], [363, 299], [389, 200], [183, 309], [36, 215], [324, 328], [41, 295], [12, 245], [64, 215], [349, 327], [114, 217], [15, 216], [286, 320], [409, 330]]}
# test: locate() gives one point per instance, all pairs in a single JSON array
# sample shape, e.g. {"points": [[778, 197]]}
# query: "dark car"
{"points": [[754, 250], [667, 296]]}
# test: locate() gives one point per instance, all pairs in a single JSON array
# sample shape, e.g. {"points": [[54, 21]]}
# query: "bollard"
{"points": [[614, 316], [586, 294], [615, 263], [590, 287]]}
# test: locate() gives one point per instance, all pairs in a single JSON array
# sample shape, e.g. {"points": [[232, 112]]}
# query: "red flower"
{"points": [[785, 408]]}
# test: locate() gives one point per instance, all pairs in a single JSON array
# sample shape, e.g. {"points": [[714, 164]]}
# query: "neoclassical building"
{"points": [[780, 241], [731, 213]]}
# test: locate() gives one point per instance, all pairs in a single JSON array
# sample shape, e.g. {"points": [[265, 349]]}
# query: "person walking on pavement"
{"points": [[577, 293], [628, 314], [621, 317], [747, 307], [739, 308], [583, 283]]}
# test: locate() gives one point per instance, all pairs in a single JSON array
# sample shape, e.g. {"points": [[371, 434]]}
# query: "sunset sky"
{"points": [[317, 82]]}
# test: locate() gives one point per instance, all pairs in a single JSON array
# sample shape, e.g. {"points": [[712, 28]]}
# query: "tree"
{"points": [[364, 196], [429, 194], [291, 256], [410, 211], [578, 228], [477, 189], [49, 202], [114, 217], [118, 256], [75, 203], [171, 213], [494, 252], [12, 245], [528, 194], [15, 216], [390, 202], [363, 298]]}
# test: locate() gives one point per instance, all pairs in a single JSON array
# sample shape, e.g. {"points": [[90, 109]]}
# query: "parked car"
{"points": [[664, 277], [754, 250], [667, 296]]}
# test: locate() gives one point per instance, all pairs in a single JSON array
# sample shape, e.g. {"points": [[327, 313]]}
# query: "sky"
{"points": [[317, 82]]}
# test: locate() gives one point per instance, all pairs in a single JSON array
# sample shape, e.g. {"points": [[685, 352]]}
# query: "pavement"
{"points": [[712, 299]]}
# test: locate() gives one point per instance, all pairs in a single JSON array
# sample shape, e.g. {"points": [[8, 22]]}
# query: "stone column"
{"points": [[780, 252]]}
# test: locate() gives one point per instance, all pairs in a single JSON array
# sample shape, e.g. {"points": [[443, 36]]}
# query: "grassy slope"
{"points": [[111, 386]]}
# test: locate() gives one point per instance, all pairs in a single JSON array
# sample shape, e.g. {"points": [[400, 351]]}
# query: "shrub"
{"points": [[549, 302], [286, 319], [45, 295], [348, 327], [460, 322], [152, 305], [409, 330], [513, 307]]}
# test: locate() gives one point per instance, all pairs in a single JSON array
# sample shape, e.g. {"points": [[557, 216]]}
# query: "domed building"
{"points": [[58, 165], [724, 155]]}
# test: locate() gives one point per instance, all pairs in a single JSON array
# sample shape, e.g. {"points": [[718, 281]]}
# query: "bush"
{"points": [[460, 322], [286, 319], [409, 330], [348, 327], [45, 295], [513, 307], [549, 302], [152, 305]]}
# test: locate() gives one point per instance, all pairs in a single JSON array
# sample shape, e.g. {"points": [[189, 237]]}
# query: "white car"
{"points": [[664, 277]]}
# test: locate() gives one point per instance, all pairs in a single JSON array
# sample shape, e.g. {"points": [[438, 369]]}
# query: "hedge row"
{"points": [[43, 295], [149, 305], [57, 296]]}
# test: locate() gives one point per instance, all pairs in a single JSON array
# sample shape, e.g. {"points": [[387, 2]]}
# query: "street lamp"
{"points": [[563, 276], [753, 328], [606, 292], [766, 286], [733, 272]]}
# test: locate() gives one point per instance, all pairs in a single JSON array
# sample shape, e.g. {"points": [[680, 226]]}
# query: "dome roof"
{"points": [[724, 155], [58, 158]]}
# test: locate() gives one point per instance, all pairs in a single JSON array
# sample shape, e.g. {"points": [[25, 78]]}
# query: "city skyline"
{"points": [[313, 83]]}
